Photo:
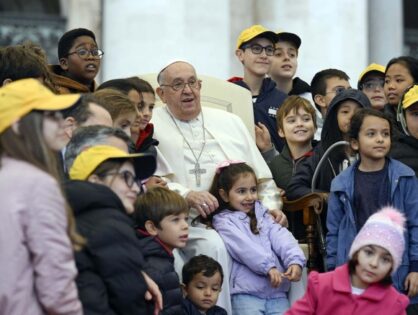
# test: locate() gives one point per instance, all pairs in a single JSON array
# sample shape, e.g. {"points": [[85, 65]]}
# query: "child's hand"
{"points": [[275, 277], [262, 137], [293, 273], [279, 217], [411, 284]]}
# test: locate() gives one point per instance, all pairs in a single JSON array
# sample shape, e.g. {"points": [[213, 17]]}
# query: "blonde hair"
{"points": [[115, 102]]}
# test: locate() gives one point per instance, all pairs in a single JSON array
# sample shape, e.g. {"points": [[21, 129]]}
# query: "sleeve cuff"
{"points": [[413, 266]]}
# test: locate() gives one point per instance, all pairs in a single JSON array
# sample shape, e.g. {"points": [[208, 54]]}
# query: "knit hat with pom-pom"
{"points": [[384, 228]]}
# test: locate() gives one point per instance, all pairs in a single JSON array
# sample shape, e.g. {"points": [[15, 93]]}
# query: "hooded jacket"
{"points": [[109, 266], [159, 265], [299, 87], [300, 184], [268, 102], [66, 85]]}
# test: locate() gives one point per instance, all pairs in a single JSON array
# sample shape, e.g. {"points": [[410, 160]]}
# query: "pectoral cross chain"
{"points": [[197, 171]]}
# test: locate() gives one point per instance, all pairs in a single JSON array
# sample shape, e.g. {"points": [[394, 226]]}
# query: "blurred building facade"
{"points": [[142, 36]]}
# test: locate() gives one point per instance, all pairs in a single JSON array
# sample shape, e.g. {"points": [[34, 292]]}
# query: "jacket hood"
{"points": [[299, 87], [66, 85], [330, 129], [267, 86], [84, 196]]}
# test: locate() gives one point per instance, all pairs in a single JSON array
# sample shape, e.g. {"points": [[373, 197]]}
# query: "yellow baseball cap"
{"points": [[370, 68], [253, 32], [20, 97], [411, 97], [88, 160]]}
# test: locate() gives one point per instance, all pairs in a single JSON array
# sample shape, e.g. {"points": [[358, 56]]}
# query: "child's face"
{"points": [[145, 110], [298, 127], [374, 264], [285, 61], [204, 291], [53, 130], [258, 65], [411, 117], [397, 80], [374, 140], [124, 122], [243, 194], [85, 69], [174, 230], [373, 88], [334, 86], [344, 114]]}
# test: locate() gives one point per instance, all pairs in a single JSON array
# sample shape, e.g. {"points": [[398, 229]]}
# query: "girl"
{"points": [[361, 286], [400, 73], [265, 255], [372, 182], [36, 257], [102, 195]]}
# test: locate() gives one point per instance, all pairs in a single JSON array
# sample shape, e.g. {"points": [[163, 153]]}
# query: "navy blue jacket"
{"points": [[268, 102], [191, 309]]}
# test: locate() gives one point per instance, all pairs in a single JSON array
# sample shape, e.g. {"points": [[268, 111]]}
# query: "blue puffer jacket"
{"points": [[342, 227]]}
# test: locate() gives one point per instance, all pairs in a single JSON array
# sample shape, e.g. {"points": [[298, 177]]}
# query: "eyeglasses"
{"points": [[85, 53], [338, 90], [373, 85], [257, 49], [129, 178], [179, 86]]}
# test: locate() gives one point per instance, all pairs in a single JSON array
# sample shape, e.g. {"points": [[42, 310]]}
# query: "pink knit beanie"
{"points": [[384, 228]]}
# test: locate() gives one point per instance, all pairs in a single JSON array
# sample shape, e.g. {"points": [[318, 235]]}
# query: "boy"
{"points": [[296, 124], [79, 62], [202, 283], [371, 83], [161, 216], [405, 146], [121, 109], [255, 50], [285, 64]]}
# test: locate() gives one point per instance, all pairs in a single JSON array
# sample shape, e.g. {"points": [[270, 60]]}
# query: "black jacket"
{"points": [[191, 309], [109, 267], [159, 265], [405, 149], [299, 87], [301, 182], [268, 102]]}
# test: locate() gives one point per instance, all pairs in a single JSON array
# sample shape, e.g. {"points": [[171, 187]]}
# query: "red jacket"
{"points": [[330, 294]]}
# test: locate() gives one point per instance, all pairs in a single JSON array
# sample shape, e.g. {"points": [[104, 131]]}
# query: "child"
{"points": [[202, 282], [372, 182], [405, 146], [401, 73], [296, 123], [119, 106], [285, 64], [161, 217], [363, 285], [79, 58], [335, 128], [260, 280], [36, 252], [255, 50], [371, 82]]}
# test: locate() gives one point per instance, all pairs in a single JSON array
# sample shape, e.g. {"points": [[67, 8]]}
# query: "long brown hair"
{"points": [[29, 145], [225, 179]]}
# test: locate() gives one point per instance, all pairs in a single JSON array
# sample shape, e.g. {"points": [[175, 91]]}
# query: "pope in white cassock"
{"points": [[193, 140]]}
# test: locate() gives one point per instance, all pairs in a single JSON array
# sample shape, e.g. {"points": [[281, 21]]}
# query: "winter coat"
{"points": [[342, 227], [274, 246], [37, 269], [190, 309], [330, 293], [405, 149], [110, 265], [159, 265], [268, 102]]}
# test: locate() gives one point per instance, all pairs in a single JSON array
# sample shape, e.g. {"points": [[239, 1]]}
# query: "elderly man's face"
{"points": [[180, 90]]}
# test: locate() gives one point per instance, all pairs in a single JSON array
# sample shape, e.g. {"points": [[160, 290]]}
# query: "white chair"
{"points": [[221, 94]]}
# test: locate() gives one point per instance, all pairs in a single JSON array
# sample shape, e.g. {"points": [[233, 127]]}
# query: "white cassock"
{"points": [[226, 139]]}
